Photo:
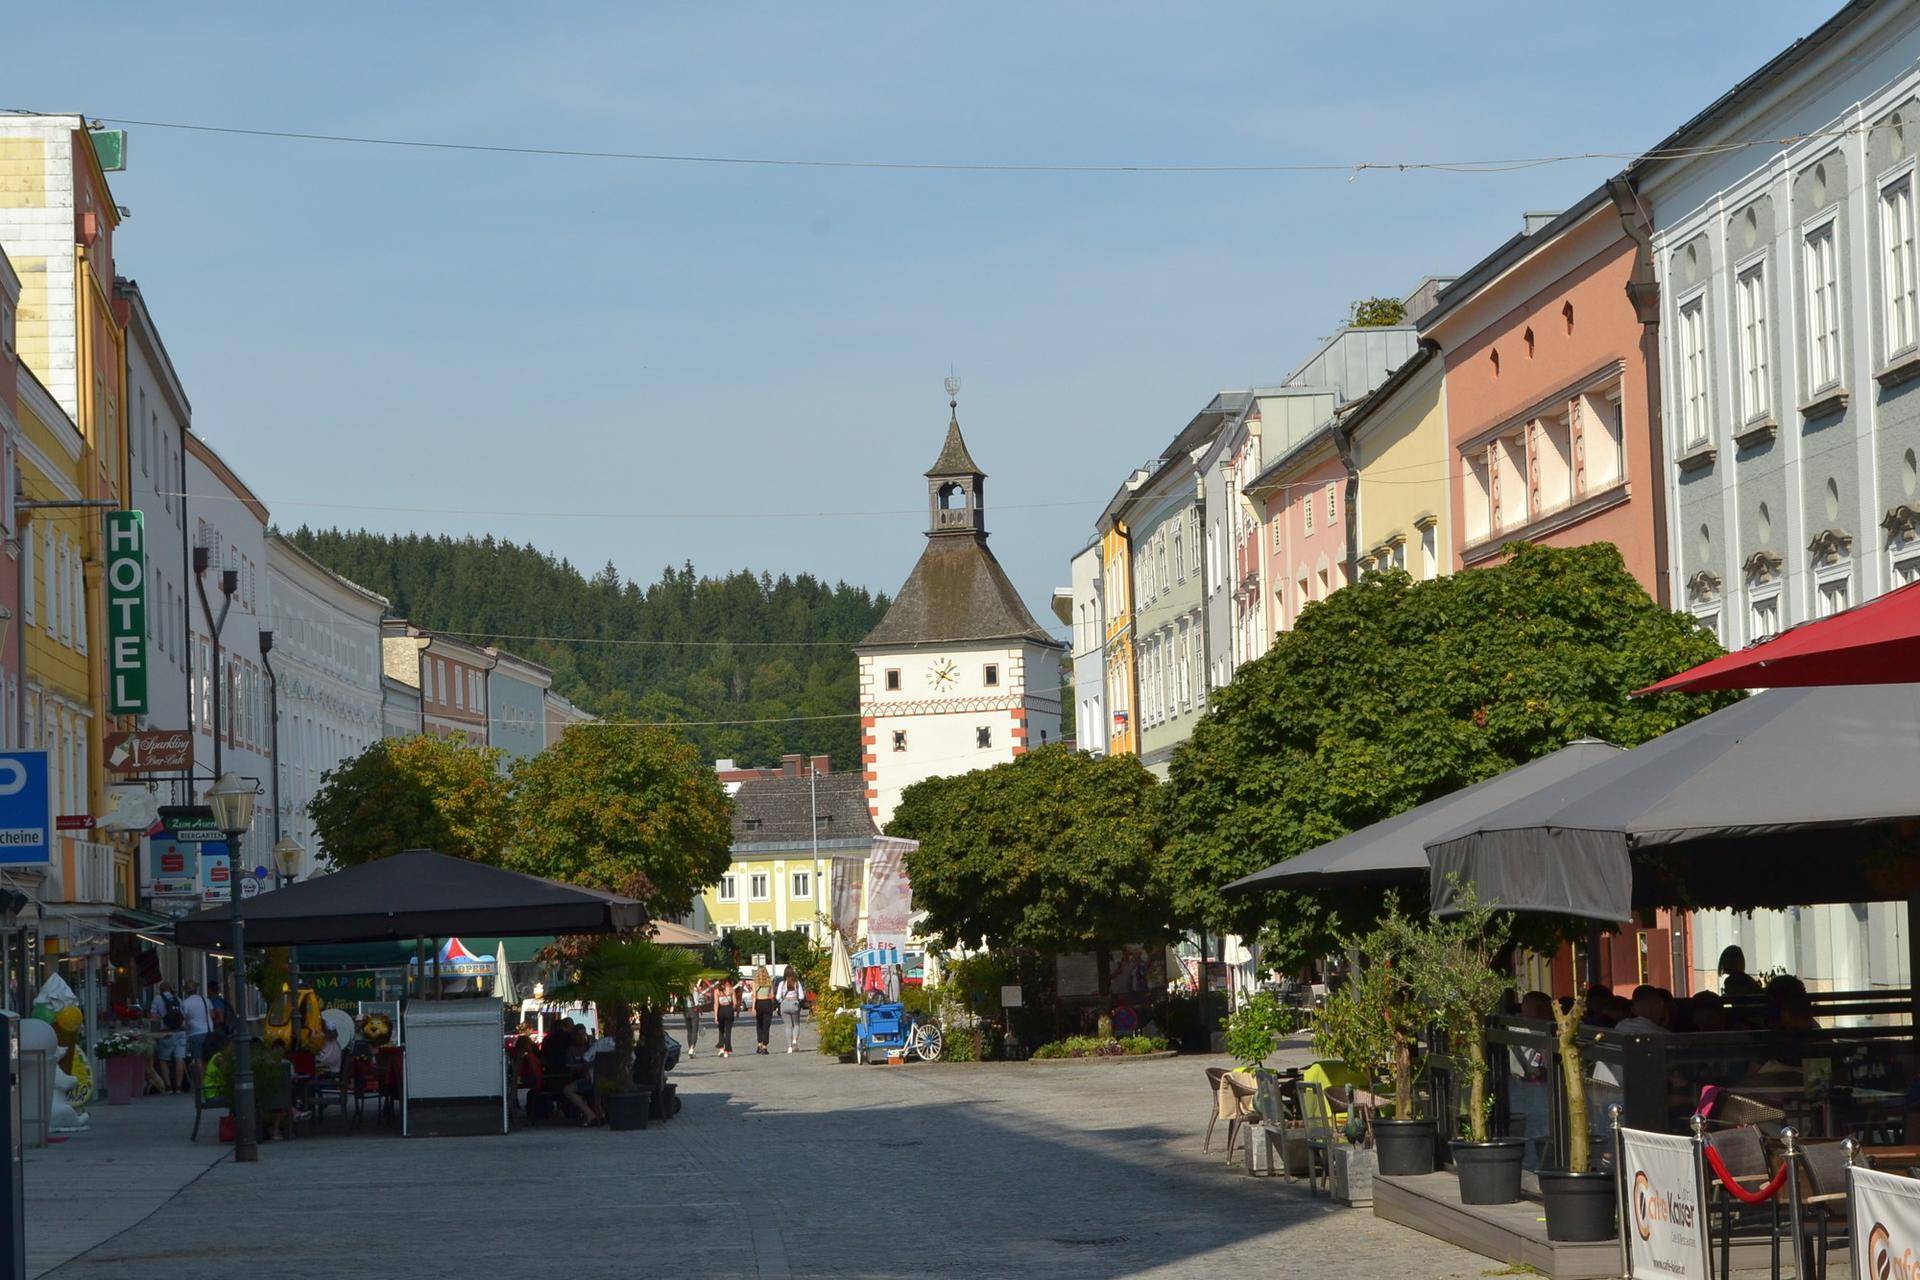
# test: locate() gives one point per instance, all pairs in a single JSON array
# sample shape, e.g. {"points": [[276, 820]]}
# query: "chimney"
{"points": [[790, 765], [823, 764], [1534, 219]]}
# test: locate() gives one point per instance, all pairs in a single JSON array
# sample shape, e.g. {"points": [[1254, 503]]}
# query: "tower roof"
{"points": [[957, 592], [954, 460]]}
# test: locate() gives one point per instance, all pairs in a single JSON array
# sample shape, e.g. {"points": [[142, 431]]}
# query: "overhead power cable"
{"points": [[610, 515]]}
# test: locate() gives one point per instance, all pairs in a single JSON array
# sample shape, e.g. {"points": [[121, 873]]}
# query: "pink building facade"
{"points": [[1304, 496]]}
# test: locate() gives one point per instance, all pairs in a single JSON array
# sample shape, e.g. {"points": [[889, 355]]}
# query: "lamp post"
{"points": [[231, 800], [288, 854]]}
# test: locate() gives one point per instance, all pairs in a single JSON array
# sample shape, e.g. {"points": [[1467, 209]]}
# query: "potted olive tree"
{"points": [[1579, 1201], [1456, 978], [1390, 995], [623, 978]]}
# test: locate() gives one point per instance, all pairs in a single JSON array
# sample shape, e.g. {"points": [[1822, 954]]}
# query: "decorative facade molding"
{"points": [[1762, 567], [942, 706], [1703, 587], [1902, 524], [1830, 547]]}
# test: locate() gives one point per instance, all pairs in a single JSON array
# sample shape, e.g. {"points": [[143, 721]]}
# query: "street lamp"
{"points": [[231, 799], [288, 854]]}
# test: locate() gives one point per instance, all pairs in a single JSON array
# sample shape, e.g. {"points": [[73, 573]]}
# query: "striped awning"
{"points": [[876, 957]]}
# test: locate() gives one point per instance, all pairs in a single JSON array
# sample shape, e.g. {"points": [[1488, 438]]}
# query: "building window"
{"points": [[1163, 580], [1333, 511], [1693, 373], [1308, 504], [1180, 549], [802, 885], [1193, 540], [1276, 535], [899, 739], [1832, 595], [804, 928], [893, 679], [1709, 619], [1430, 553], [1763, 616], [729, 889], [1906, 566], [1823, 308], [991, 675], [983, 737], [1751, 293], [757, 886], [1897, 244]]}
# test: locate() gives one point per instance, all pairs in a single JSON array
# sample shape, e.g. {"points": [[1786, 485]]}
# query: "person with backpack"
{"points": [[725, 1004], [170, 1037], [790, 995], [199, 1013]]}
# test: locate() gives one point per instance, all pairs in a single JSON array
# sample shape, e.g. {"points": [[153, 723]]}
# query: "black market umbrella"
{"points": [[1393, 850], [416, 894], [1791, 797]]}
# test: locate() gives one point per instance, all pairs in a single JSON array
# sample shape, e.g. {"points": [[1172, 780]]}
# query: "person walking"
{"points": [[726, 998], [170, 1039], [790, 995], [690, 1010], [762, 1007], [199, 1013]]}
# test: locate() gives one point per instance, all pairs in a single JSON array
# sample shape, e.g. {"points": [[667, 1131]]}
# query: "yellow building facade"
{"points": [[792, 829], [1116, 575], [1399, 446]]}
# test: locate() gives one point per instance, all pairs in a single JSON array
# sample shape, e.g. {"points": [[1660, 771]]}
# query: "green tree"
{"points": [[1053, 852], [1369, 313], [423, 792], [625, 809], [1390, 693]]}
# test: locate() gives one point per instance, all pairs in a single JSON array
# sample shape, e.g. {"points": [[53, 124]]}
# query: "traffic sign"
{"points": [[26, 809], [149, 751]]}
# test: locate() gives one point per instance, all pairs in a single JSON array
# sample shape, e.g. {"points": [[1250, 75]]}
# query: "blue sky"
{"points": [[408, 339]]}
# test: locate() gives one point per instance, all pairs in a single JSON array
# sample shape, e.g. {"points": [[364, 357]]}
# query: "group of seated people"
{"points": [[557, 1073]]}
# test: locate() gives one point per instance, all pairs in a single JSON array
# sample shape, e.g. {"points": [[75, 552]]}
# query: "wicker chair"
{"points": [[1823, 1204], [1214, 1114]]}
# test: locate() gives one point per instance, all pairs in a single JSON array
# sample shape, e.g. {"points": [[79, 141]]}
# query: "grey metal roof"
{"points": [[779, 810]]}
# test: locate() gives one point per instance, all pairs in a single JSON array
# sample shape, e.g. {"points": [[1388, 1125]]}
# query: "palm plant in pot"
{"points": [[1579, 1200], [1387, 991], [624, 977], [1456, 977]]}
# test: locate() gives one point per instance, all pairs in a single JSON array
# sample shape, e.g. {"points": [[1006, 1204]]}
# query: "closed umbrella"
{"points": [[840, 971], [503, 976]]}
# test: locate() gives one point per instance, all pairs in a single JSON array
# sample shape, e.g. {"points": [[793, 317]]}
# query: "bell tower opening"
{"points": [[956, 487]]}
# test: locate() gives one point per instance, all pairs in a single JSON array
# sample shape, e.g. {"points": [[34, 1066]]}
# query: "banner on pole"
{"points": [[844, 897], [1664, 1225], [1886, 1224], [889, 897]]}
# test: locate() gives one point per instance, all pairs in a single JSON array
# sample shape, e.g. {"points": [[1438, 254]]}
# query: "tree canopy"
{"points": [[1390, 693], [412, 793], [743, 647], [1055, 851], [615, 806]]}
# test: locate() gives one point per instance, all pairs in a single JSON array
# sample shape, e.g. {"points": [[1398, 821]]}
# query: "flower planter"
{"points": [[1579, 1205], [1405, 1147], [627, 1111], [125, 1074], [1489, 1171]]}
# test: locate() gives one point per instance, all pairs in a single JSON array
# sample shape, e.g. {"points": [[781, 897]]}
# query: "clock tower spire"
{"points": [[956, 486]]}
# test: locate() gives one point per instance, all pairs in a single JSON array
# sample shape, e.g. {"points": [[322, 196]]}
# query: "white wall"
{"points": [[156, 430], [1091, 724]]}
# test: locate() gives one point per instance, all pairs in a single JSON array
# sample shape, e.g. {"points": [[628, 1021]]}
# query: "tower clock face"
{"points": [[942, 674]]}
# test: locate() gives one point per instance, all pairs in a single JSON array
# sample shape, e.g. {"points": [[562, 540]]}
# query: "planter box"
{"points": [[125, 1074], [1263, 1150], [1353, 1173]]}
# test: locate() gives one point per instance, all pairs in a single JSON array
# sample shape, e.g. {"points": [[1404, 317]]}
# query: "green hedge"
{"points": [[1094, 1047]]}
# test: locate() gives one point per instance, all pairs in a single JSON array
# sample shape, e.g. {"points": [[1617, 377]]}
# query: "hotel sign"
{"points": [[126, 613]]}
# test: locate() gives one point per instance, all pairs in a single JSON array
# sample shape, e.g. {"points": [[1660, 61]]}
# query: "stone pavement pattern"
{"points": [[785, 1165]]}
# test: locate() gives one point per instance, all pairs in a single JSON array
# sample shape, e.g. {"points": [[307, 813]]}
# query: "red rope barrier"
{"points": [[1739, 1192]]}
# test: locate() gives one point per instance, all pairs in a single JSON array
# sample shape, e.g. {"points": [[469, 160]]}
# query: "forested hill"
{"points": [[788, 652]]}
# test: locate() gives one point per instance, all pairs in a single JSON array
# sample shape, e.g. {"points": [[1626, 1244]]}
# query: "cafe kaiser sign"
{"points": [[126, 613], [1886, 1217], [1665, 1230]]}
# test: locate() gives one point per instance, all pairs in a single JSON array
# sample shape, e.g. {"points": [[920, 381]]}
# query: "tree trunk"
{"points": [[653, 1072], [1104, 1027], [1477, 1088], [619, 1025], [1402, 1077], [1579, 1135]]}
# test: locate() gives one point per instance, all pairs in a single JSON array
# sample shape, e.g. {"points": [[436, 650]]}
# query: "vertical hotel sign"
{"points": [[126, 613]]}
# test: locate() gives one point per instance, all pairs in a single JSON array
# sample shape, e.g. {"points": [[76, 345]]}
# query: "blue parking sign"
{"points": [[26, 809]]}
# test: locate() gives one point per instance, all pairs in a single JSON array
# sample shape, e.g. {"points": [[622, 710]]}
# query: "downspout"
{"points": [[1643, 291], [1343, 445]]}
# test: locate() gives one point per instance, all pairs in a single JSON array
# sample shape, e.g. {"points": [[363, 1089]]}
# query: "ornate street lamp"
{"points": [[231, 799], [288, 855]]}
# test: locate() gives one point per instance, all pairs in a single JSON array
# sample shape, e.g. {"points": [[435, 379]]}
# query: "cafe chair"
{"points": [[1318, 1133], [1239, 1106], [1744, 1153], [1214, 1104], [1823, 1204]]}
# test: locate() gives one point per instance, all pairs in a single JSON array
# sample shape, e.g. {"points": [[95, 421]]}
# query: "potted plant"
{"points": [[624, 977], [1455, 977], [1579, 1201], [1251, 1030], [126, 1065], [1390, 995]]}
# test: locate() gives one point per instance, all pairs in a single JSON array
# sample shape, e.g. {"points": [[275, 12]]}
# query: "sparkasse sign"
{"points": [[126, 613]]}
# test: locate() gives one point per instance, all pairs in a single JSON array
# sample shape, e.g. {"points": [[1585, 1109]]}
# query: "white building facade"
{"points": [[958, 675], [1087, 618], [326, 664]]}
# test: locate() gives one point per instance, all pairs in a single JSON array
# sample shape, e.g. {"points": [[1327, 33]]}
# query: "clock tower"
{"points": [[957, 675]]}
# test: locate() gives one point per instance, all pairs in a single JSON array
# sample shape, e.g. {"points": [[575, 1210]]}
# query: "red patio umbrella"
{"points": [[1874, 643]]}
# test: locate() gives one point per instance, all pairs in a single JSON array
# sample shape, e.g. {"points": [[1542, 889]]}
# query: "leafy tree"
{"points": [[622, 808], [1053, 852], [1369, 313], [422, 792], [1390, 693]]}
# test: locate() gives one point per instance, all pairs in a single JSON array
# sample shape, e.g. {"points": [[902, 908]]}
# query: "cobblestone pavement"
{"points": [[784, 1165]]}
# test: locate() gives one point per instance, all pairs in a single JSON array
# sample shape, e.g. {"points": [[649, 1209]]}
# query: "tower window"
{"points": [[899, 739], [992, 674], [893, 679], [983, 736]]}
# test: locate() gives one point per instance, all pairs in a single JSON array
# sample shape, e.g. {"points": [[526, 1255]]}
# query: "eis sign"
{"points": [[1666, 1235], [126, 613]]}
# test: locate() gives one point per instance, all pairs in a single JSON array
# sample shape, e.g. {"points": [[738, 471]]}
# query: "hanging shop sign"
{"points": [[126, 613]]}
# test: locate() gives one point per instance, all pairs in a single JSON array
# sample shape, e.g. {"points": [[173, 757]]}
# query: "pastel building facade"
{"points": [[516, 707], [449, 673], [789, 830], [1397, 442]]}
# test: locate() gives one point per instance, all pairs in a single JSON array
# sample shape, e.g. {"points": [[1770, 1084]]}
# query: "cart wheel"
{"points": [[929, 1043]]}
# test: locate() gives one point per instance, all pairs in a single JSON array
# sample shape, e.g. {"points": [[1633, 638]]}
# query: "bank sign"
{"points": [[126, 613]]}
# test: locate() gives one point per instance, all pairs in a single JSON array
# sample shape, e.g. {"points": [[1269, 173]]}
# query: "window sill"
{"points": [[1825, 403], [1698, 458], [1756, 433], [1552, 522], [1902, 368]]}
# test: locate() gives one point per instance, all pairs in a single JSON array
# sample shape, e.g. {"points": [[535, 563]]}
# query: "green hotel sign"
{"points": [[126, 613]]}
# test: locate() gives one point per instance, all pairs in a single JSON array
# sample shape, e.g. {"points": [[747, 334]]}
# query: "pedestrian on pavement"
{"points": [[199, 1012], [170, 1041], [725, 1000], [690, 1009], [763, 1006], [790, 995], [222, 1026]]}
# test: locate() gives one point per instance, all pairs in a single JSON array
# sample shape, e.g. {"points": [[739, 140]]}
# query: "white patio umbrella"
{"points": [[840, 972], [503, 976]]}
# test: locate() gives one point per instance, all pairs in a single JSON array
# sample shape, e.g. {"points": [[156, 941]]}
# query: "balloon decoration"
{"points": [[72, 1073]]}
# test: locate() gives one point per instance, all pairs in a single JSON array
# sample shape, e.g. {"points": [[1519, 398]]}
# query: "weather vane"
{"points": [[953, 390]]}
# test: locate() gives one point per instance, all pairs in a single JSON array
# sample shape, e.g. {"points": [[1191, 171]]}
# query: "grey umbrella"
{"points": [[1793, 796], [1392, 851]]}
